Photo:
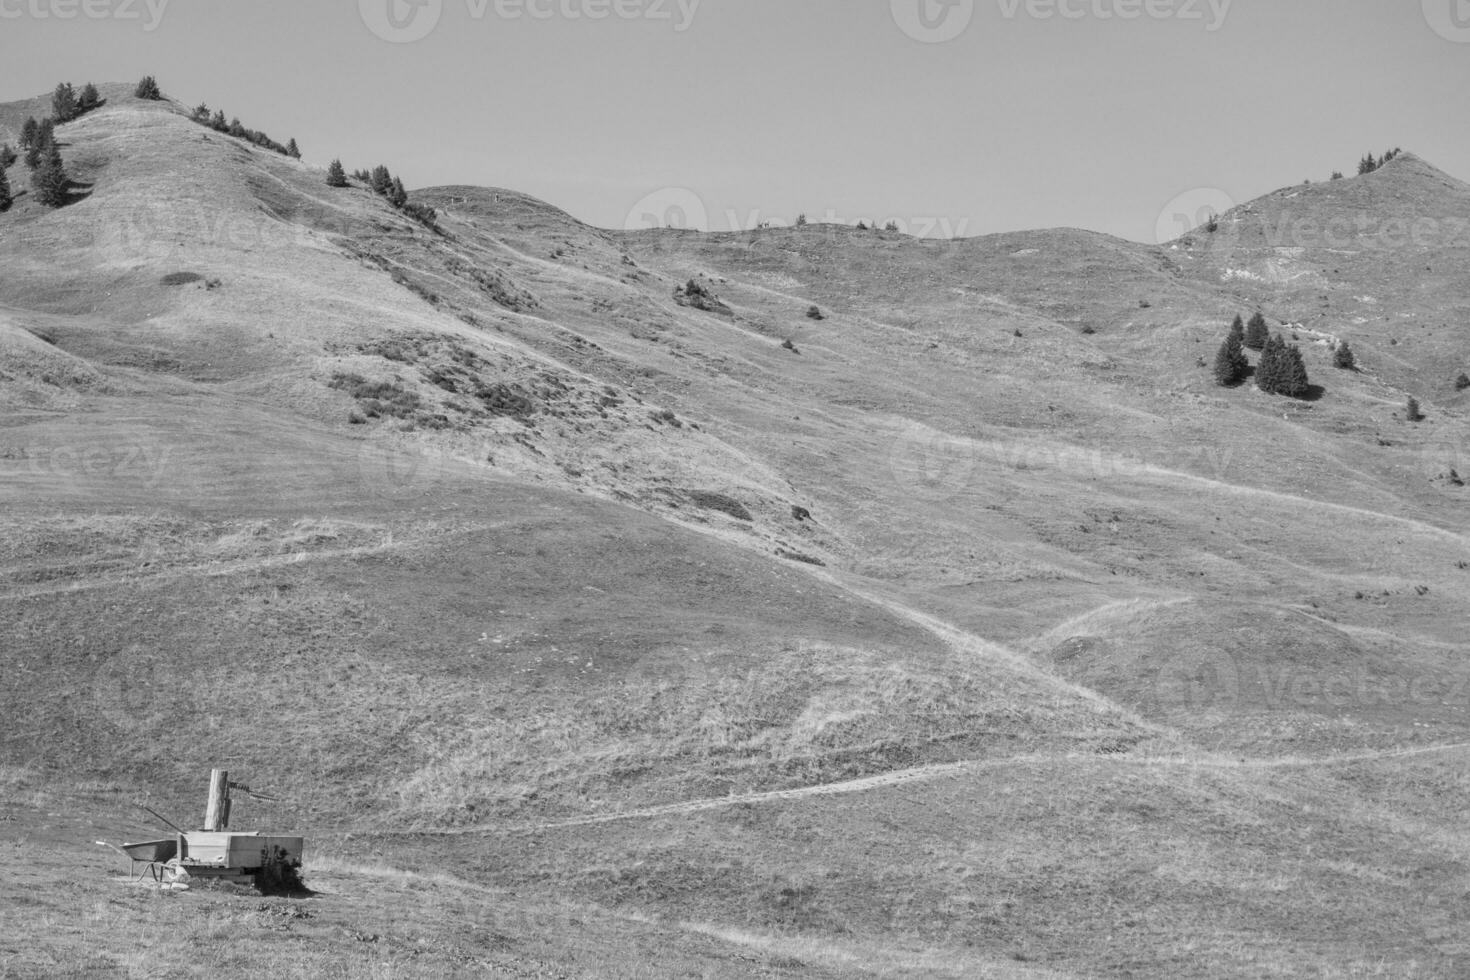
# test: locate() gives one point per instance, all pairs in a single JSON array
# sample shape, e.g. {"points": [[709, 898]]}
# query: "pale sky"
{"points": [[1037, 113]]}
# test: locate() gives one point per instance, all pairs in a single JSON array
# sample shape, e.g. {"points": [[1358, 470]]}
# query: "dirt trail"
{"points": [[930, 773], [216, 569]]}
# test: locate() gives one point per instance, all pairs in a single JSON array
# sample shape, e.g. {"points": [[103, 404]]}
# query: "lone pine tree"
{"points": [[1344, 358], [5, 196], [336, 177]]}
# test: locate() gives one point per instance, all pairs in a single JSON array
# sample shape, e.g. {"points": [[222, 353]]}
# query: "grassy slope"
{"points": [[506, 622]]}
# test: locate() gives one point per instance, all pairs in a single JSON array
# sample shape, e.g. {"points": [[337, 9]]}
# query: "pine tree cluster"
{"points": [[49, 181], [385, 185], [1369, 163], [216, 121], [148, 89], [67, 105]]}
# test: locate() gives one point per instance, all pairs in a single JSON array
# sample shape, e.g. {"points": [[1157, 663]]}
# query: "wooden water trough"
{"points": [[215, 852]]}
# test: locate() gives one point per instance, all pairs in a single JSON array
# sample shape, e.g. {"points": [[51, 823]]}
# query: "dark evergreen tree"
{"points": [[7, 157], [49, 181], [89, 99], [1256, 333], [64, 103], [382, 180], [1294, 380], [398, 194], [1227, 372], [1237, 329], [335, 176], [41, 143], [201, 112], [28, 133], [217, 121], [292, 150], [5, 196], [1269, 370], [148, 89], [1413, 411], [237, 129], [1344, 358]]}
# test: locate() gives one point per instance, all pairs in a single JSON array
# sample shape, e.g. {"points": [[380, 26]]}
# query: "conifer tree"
{"points": [[5, 196], [49, 180], [7, 157], [1256, 333], [148, 89], [1227, 373], [237, 128], [28, 133], [292, 150], [1268, 372], [1413, 411], [89, 99], [398, 194], [217, 121], [64, 103], [382, 180], [1344, 358], [1294, 381], [201, 112], [335, 175], [1237, 329], [44, 139]]}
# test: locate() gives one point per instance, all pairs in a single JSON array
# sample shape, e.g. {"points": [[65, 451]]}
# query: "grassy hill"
{"points": [[969, 630]]}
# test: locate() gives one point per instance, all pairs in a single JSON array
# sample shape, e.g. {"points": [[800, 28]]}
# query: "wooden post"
{"points": [[216, 816]]}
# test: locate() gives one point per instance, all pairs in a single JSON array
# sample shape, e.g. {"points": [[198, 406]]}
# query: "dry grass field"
{"points": [[586, 633]]}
